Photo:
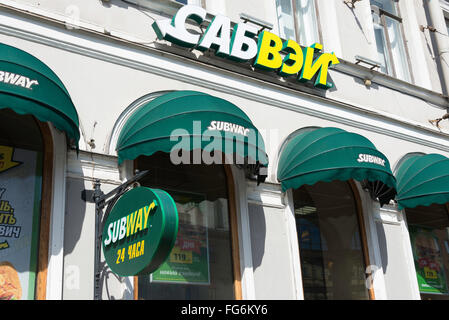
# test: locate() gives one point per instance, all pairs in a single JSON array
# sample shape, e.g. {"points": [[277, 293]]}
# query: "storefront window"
{"points": [[331, 250], [390, 44], [21, 152], [297, 21], [429, 236], [200, 265]]}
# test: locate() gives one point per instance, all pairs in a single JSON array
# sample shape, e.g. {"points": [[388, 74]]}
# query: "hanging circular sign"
{"points": [[140, 231]]}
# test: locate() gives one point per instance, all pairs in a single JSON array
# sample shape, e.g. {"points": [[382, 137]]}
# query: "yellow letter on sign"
{"points": [[294, 60], [268, 56], [321, 64]]}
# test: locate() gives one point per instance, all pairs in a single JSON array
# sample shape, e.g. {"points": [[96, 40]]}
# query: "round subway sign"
{"points": [[140, 231]]}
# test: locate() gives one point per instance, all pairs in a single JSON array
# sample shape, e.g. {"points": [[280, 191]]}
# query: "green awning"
{"points": [[328, 154], [423, 180], [28, 86], [190, 120]]}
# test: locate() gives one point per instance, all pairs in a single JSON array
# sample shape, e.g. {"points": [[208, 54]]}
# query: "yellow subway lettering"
{"points": [[130, 248], [138, 222], [118, 257], [294, 60], [269, 56], [147, 211], [132, 222], [320, 66], [138, 249], [142, 247]]}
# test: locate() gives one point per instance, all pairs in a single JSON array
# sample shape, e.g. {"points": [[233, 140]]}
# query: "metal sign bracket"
{"points": [[103, 201]]}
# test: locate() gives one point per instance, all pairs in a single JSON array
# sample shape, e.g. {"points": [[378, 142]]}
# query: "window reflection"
{"points": [[200, 264], [391, 50], [297, 21], [429, 237], [332, 259]]}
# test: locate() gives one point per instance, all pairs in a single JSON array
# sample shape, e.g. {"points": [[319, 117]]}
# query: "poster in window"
{"points": [[188, 262], [20, 190], [428, 261]]}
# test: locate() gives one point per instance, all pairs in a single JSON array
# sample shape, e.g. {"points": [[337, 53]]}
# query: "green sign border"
{"points": [[142, 252]]}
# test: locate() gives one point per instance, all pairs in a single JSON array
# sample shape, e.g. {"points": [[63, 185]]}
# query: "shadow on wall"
{"points": [[74, 214], [431, 45], [76, 271], [357, 20], [382, 245], [113, 286], [79, 247], [258, 231]]}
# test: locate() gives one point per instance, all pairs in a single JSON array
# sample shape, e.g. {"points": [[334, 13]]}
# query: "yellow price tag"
{"points": [[179, 256], [430, 274]]}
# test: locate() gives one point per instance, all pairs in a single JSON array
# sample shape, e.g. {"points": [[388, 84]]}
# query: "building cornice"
{"points": [[352, 69], [346, 67], [363, 118]]}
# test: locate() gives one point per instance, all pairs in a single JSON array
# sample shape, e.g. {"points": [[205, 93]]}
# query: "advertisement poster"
{"points": [[20, 189], [428, 261], [188, 262]]}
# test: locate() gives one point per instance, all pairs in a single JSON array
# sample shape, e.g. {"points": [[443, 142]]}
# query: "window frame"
{"points": [[296, 23], [45, 213], [445, 207], [41, 260], [365, 248], [233, 229], [383, 23], [363, 235]]}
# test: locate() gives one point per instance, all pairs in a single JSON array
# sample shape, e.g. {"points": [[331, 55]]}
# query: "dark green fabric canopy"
{"points": [[423, 180], [28, 86], [190, 120], [328, 154]]}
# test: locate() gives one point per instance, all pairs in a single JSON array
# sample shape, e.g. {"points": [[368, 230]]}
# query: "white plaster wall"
{"points": [[355, 29], [101, 88], [104, 77], [427, 45]]}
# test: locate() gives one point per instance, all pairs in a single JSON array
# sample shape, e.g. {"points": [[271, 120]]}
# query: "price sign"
{"points": [[179, 256]]}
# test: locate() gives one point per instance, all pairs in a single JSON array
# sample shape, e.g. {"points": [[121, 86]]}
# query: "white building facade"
{"points": [[251, 239]]}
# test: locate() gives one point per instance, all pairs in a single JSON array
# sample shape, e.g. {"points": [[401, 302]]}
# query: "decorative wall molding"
{"points": [[266, 194], [389, 214], [89, 166]]}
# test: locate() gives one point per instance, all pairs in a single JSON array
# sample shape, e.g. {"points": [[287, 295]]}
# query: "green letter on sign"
{"points": [[320, 66]]}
